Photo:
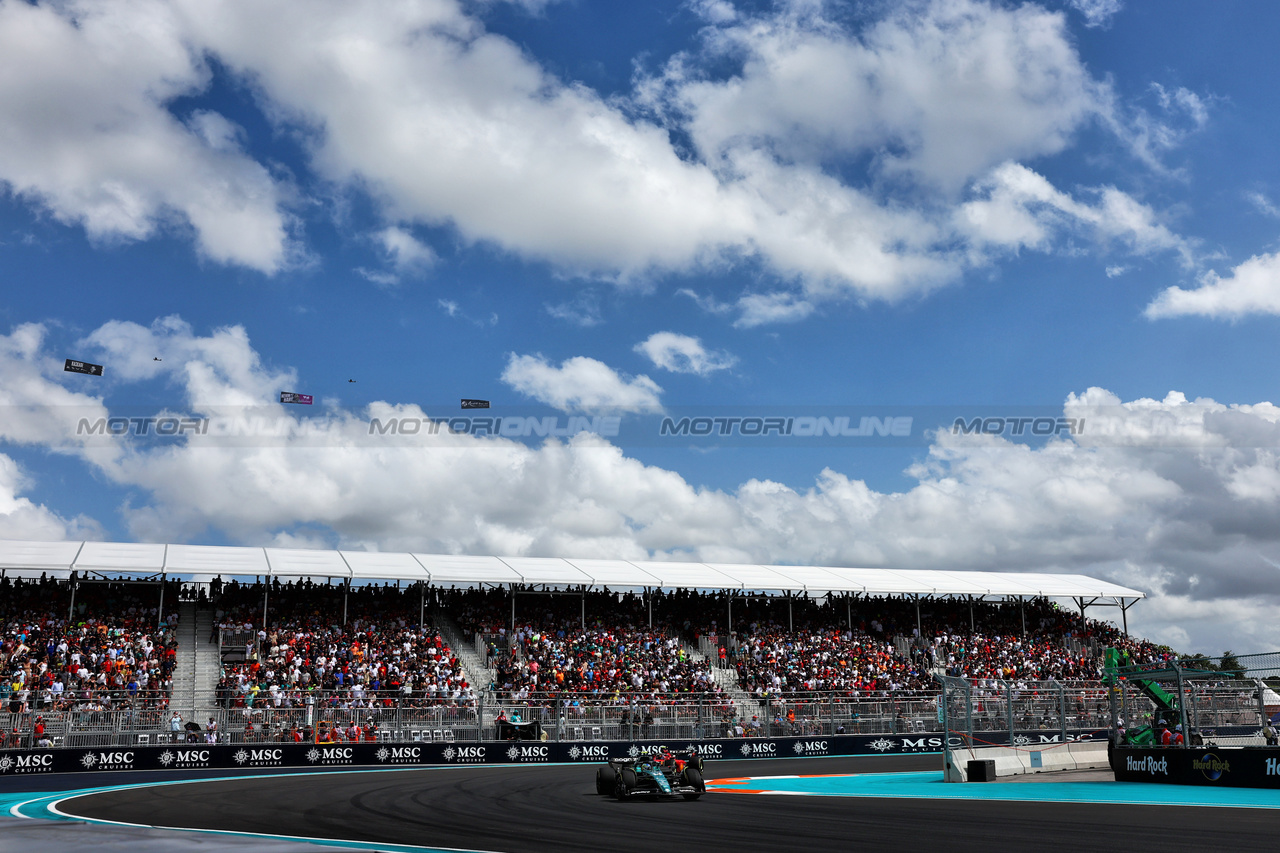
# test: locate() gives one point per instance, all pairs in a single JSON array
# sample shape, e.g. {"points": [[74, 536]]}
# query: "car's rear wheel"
{"points": [[626, 783], [606, 779], [694, 779]]}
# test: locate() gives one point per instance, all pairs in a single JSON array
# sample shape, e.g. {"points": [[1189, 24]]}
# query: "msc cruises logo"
{"points": [[882, 744]]}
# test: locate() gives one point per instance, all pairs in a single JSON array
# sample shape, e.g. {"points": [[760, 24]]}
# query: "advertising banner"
{"points": [[18, 762], [1240, 767]]}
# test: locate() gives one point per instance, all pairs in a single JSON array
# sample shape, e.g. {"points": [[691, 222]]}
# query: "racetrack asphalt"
{"points": [[537, 809]]}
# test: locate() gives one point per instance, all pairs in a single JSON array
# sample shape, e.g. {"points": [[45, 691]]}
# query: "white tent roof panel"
{"points": [[692, 575], [301, 563], [120, 557], [443, 569], [216, 560], [21, 554], [379, 565], [751, 577], [548, 570], [466, 571], [615, 574]]}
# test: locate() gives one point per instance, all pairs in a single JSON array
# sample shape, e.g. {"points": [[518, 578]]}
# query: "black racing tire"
{"points": [[606, 779], [693, 778], [626, 783]]}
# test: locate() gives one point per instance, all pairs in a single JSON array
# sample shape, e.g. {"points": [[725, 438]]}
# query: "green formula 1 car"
{"points": [[662, 774]]}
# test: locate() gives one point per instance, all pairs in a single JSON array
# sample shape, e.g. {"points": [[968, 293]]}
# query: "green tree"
{"points": [[1230, 665]]}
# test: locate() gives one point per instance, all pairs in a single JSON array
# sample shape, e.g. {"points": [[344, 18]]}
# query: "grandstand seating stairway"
{"points": [[195, 678], [477, 674], [726, 679]]}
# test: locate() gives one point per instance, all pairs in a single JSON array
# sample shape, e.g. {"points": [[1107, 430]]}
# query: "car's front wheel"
{"points": [[626, 783], [694, 779], [606, 779]]}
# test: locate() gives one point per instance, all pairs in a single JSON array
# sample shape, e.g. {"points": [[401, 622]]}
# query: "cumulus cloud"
{"points": [[1017, 208], [1252, 287], [832, 154], [581, 384], [1173, 496], [86, 134], [21, 518], [950, 88], [683, 354]]}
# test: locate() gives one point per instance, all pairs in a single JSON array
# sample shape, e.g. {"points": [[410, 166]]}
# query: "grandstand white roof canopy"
{"points": [[61, 558]]}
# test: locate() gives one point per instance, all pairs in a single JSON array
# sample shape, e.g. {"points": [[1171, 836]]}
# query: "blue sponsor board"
{"points": [[255, 756], [1216, 766]]}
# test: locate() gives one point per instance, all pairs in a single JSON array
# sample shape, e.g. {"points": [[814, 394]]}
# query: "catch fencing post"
{"points": [[1062, 710]]}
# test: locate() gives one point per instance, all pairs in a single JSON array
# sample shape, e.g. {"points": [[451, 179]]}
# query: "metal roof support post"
{"points": [[1124, 615], [1262, 703], [160, 609], [346, 587], [848, 612], [1062, 710], [1182, 700], [583, 596], [649, 597], [422, 606], [968, 714], [512, 588], [71, 612], [919, 630], [729, 627], [971, 628], [791, 625], [1022, 606], [266, 589], [1008, 698]]}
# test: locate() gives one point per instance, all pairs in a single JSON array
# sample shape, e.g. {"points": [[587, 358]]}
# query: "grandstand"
{"points": [[276, 644]]}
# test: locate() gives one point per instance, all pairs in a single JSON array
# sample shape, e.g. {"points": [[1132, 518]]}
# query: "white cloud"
{"points": [[21, 518], [1097, 13], [218, 370], [582, 311], [445, 124], [952, 88], [405, 252], [1172, 496], [1116, 270], [581, 384], [1252, 287], [1262, 203], [1017, 208], [1183, 100], [683, 354], [86, 134], [760, 309]]}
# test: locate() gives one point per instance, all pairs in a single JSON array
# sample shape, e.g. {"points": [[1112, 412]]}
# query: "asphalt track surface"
{"points": [[555, 808]]}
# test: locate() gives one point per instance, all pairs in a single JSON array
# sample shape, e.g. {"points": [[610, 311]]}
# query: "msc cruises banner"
{"points": [[18, 762]]}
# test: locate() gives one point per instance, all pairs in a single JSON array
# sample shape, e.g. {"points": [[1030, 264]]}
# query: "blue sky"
{"points": [[798, 208]]}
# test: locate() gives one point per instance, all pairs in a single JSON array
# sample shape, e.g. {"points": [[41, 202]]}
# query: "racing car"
{"points": [[665, 773]]}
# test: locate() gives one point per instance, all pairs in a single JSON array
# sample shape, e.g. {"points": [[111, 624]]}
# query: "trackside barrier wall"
{"points": [[1020, 760], [290, 755], [1224, 767]]}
